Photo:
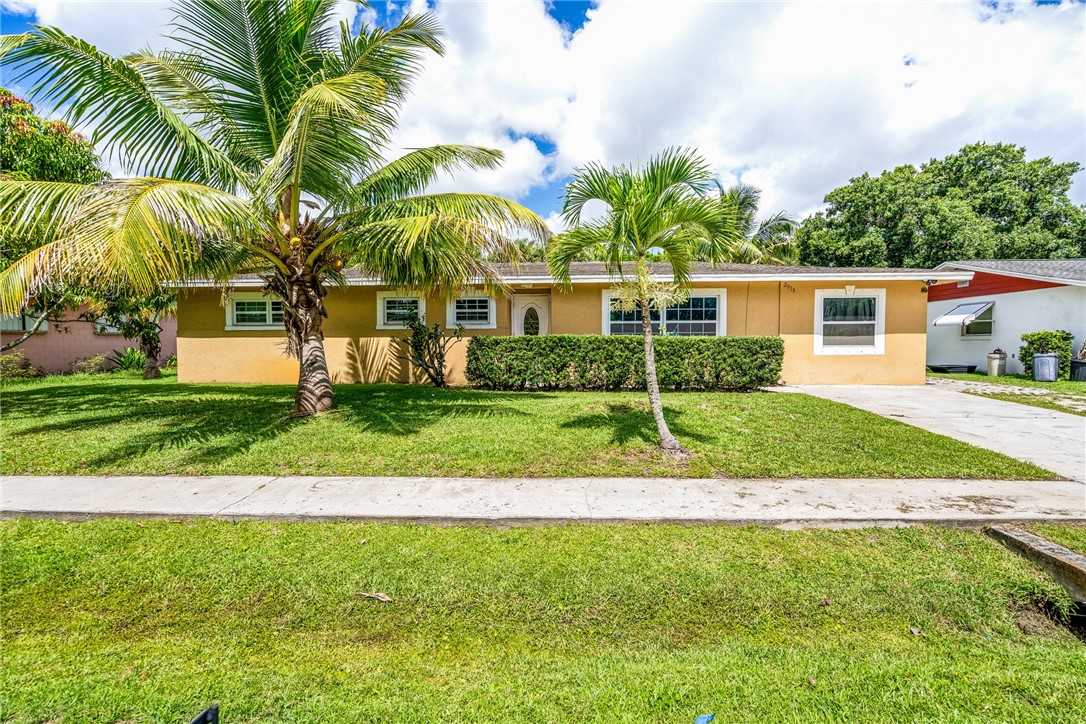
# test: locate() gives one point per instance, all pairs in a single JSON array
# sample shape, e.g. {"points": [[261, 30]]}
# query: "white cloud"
{"points": [[793, 97]]}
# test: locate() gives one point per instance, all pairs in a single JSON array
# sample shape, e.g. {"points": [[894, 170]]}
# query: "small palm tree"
{"points": [[261, 143], [769, 241], [658, 209]]}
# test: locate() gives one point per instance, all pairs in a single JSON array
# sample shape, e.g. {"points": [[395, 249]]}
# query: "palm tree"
{"points": [[660, 208], [261, 143], [767, 242]]}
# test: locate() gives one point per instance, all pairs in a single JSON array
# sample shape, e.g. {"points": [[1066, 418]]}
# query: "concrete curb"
{"points": [[1067, 567]]}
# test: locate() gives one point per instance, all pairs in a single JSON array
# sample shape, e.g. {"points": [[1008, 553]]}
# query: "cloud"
{"points": [[794, 97]]}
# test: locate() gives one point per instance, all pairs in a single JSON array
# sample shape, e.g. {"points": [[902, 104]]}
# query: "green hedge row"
{"points": [[596, 362]]}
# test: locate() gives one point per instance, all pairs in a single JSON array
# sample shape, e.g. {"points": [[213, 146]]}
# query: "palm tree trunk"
{"points": [[150, 367], [667, 440], [303, 308]]}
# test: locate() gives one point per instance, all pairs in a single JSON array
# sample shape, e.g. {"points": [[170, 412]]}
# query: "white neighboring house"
{"points": [[1005, 299]]}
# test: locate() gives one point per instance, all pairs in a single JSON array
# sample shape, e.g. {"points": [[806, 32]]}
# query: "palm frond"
{"points": [[504, 216]]}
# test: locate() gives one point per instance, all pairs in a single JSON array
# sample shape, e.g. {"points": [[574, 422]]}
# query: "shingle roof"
{"points": [[1065, 271]]}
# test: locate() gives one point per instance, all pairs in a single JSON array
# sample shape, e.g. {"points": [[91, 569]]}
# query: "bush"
{"points": [[426, 347], [15, 366], [131, 359], [93, 365], [596, 362], [1042, 342]]}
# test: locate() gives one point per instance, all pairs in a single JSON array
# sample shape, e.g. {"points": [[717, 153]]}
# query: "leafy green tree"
{"points": [[137, 317], [769, 241], [986, 201], [661, 206], [260, 141]]}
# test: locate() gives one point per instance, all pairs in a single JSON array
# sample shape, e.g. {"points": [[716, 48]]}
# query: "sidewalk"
{"points": [[512, 501]]}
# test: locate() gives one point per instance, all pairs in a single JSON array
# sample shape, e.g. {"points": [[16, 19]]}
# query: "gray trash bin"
{"points": [[1046, 367], [997, 363]]}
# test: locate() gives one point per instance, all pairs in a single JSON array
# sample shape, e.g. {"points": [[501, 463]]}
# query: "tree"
{"points": [[986, 201], [261, 140], [769, 241], [663, 207], [33, 148], [135, 317]]}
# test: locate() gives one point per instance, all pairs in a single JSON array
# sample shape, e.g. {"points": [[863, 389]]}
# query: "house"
{"points": [[1004, 299], [839, 325], [52, 349]]}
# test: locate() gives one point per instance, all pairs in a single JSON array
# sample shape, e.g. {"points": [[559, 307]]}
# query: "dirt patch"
{"points": [[1037, 620]]}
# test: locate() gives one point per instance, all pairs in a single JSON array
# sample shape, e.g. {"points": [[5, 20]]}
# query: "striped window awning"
{"points": [[962, 314]]}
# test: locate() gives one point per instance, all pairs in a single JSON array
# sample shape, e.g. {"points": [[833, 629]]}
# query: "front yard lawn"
{"points": [[117, 424], [130, 621]]}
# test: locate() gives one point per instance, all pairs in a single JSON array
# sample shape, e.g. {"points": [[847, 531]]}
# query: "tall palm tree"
{"points": [[660, 208], [261, 143], [769, 241]]}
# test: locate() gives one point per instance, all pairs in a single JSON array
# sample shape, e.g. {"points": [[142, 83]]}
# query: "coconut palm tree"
{"points": [[769, 241], [660, 208], [258, 145]]}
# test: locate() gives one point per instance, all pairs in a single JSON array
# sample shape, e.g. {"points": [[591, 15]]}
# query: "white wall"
{"points": [[1014, 314]]}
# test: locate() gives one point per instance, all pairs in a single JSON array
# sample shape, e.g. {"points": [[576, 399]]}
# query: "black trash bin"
{"points": [[1078, 370]]}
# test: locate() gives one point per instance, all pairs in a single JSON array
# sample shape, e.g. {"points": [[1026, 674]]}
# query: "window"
{"points": [[850, 322], [981, 326], [20, 323], [252, 310], [472, 312], [393, 309], [702, 314]]}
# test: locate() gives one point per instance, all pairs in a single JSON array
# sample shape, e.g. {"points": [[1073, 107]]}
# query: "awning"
{"points": [[962, 314]]}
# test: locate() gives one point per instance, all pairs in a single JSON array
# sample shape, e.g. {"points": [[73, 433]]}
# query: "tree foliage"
{"points": [[985, 202]]}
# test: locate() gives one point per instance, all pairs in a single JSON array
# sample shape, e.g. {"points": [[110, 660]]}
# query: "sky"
{"points": [[795, 98]]}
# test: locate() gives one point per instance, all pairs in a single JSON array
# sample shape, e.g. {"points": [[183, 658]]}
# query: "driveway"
{"points": [[1052, 440]]}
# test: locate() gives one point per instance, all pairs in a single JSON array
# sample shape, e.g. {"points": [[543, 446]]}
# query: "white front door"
{"points": [[531, 314]]}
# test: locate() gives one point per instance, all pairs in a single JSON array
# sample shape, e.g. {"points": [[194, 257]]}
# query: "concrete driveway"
{"points": [[1052, 440]]}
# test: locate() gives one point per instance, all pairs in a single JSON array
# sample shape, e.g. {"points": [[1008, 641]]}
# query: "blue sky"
{"points": [[794, 97]]}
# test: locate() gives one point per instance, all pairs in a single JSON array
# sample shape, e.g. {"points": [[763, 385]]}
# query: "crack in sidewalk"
{"points": [[245, 497]]}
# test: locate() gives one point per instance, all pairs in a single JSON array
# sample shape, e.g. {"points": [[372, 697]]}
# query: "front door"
{"points": [[531, 314]]}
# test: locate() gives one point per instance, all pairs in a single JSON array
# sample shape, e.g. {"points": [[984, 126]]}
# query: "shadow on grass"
{"points": [[628, 423], [216, 422]]}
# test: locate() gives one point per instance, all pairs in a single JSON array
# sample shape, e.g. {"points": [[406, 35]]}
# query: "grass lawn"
{"points": [[113, 620], [1058, 399], [1068, 536], [118, 424]]}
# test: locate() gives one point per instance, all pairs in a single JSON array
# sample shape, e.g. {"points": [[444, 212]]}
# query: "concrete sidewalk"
{"points": [[1050, 439], [511, 501]]}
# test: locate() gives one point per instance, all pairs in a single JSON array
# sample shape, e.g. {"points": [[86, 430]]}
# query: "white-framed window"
{"points": [[850, 321], [474, 311], [703, 314], [253, 310], [393, 309], [20, 323], [104, 328], [981, 326]]}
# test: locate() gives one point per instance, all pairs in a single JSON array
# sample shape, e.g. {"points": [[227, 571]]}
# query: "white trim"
{"points": [[880, 322], [382, 296], [718, 277], [720, 293], [232, 326], [492, 312], [1020, 275]]}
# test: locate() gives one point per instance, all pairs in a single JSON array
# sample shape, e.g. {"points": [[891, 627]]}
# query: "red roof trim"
{"points": [[986, 284]]}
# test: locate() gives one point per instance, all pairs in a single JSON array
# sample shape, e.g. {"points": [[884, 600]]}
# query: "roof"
{"points": [[595, 271], [1061, 271]]}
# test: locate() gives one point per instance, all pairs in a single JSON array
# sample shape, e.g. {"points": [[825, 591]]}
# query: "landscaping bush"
{"points": [[596, 362], [15, 366], [1058, 341], [93, 365], [131, 359]]}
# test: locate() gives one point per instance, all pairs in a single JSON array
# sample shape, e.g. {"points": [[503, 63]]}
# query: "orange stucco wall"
{"points": [[360, 352]]}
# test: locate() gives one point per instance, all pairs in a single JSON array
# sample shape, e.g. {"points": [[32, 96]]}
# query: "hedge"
{"points": [[1058, 341], [596, 362]]}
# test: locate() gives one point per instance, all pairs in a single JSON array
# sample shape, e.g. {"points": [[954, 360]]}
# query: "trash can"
{"points": [[997, 363], [1046, 367], [1078, 370]]}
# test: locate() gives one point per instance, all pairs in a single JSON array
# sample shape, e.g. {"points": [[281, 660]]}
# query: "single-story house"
{"points": [[1004, 299], [53, 350], [839, 325]]}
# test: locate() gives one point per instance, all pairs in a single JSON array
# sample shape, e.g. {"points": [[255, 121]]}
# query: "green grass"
{"points": [[1068, 536], [118, 424], [1047, 402], [1061, 386], [112, 621]]}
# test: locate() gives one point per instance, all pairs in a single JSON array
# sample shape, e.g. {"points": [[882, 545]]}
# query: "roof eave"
{"points": [[1019, 275]]}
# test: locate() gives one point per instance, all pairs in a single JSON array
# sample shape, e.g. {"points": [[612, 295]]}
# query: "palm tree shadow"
{"points": [[628, 423]]}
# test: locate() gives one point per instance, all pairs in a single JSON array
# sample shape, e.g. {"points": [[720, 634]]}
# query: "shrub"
{"points": [[596, 362], [1058, 341], [93, 365], [131, 359], [426, 347], [15, 366]]}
